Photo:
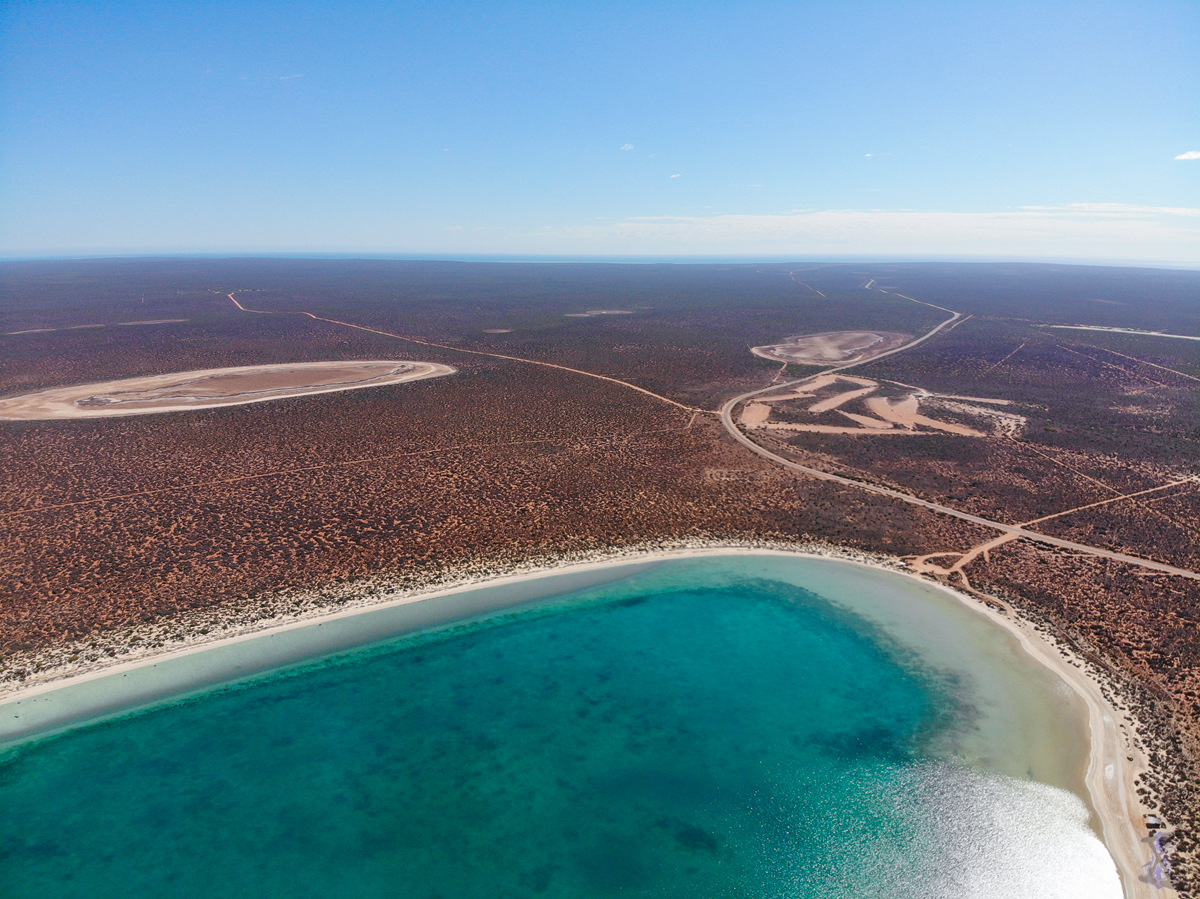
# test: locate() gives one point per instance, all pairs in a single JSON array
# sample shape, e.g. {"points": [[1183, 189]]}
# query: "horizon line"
{"points": [[613, 259]]}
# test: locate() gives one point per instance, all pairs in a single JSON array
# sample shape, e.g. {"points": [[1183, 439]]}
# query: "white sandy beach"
{"points": [[128, 678]]}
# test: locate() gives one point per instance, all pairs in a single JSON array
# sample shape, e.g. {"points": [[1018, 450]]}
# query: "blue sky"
{"points": [[945, 128]]}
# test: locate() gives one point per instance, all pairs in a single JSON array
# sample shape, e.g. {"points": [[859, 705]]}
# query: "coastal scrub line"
{"points": [[1117, 760], [24, 669]]}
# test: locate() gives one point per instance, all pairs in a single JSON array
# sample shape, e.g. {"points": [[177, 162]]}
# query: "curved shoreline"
{"points": [[1115, 761]]}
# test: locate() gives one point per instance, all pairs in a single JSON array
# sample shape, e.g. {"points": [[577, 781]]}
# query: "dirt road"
{"points": [[458, 349], [1013, 531], [726, 416]]}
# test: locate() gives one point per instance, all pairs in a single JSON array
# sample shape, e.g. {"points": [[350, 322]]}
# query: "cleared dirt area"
{"points": [[970, 399], [831, 429], [870, 412], [841, 399], [210, 388], [867, 422], [832, 347], [756, 414], [904, 412]]}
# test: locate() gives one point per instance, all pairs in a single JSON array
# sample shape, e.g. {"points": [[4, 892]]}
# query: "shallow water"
{"points": [[702, 729]]}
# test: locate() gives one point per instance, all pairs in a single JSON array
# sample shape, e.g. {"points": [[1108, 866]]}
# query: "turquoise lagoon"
{"points": [[728, 726]]}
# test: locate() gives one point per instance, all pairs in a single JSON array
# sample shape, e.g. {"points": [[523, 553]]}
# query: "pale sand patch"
{"points": [[211, 388], [867, 421], [827, 347], [497, 331], [900, 411], [811, 387], [904, 413], [970, 399], [946, 426], [755, 414], [1115, 760], [862, 382], [828, 405], [799, 393], [836, 429], [1006, 424]]}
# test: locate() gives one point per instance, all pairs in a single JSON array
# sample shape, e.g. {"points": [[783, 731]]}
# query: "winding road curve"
{"points": [[1111, 734], [726, 415]]}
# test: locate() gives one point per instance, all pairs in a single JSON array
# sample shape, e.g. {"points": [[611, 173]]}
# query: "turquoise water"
{"points": [[686, 732]]}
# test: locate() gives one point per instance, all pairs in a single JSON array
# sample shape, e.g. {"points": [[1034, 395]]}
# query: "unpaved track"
{"points": [[984, 548], [726, 416], [792, 275], [1014, 531], [458, 349], [1119, 368], [1151, 364]]}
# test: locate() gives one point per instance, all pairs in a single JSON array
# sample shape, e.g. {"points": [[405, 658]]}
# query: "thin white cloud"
{"points": [[676, 176], [626, 146], [1082, 230], [1190, 154], [1114, 209]]}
